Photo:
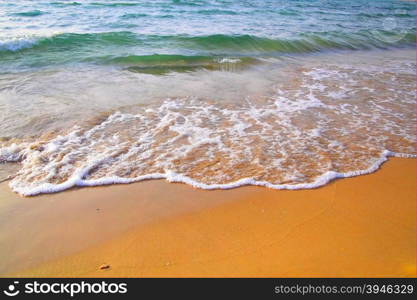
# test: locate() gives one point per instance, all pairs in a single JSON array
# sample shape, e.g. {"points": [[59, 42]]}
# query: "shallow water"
{"points": [[240, 98]]}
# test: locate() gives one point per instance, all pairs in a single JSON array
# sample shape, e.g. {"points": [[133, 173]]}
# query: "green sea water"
{"points": [[176, 34]]}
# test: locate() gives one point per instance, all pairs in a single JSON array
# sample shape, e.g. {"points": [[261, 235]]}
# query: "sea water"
{"points": [[216, 94]]}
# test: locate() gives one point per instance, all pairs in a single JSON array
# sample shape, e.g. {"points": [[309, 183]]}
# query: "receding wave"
{"points": [[320, 121]]}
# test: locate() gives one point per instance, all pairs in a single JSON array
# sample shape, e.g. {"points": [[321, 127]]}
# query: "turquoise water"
{"points": [[43, 33]]}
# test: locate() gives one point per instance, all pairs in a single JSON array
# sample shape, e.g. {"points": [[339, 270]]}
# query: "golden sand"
{"points": [[362, 226]]}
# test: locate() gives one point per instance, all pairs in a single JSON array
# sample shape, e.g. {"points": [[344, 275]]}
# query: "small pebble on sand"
{"points": [[104, 267]]}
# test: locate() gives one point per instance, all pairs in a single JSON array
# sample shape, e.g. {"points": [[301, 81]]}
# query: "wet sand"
{"points": [[361, 226]]}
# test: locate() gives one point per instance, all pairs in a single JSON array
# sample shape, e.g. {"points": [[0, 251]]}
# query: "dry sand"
{"points": [[362, 226]]}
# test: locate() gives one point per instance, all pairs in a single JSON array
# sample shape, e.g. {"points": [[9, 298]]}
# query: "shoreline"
{"points": [[349, 227], [171, 177], [236, 128]]}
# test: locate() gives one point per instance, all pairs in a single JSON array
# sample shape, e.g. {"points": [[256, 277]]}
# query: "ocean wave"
{"points": [[32, 13], [114, 4], [380, 15], [217, 12], [60, 41], [18, 43], [74, 3], [133, 16], [234, 44]]}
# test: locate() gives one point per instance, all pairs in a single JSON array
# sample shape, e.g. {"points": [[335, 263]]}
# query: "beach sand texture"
{"points": [[361, 226]]}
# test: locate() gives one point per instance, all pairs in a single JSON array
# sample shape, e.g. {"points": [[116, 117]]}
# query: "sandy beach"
{"points": [[361, 226]]}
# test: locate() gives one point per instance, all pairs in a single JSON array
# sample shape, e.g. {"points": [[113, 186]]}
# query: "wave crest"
{"points": [[234, 44]]}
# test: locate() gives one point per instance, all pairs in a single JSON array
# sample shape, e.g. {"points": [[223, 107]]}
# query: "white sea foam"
{"points": [[317, 124], [23, 40], [15, 44], [170, 176], [229, 60], [13, 153]]}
